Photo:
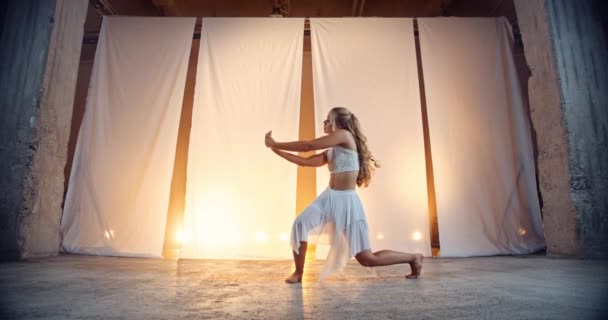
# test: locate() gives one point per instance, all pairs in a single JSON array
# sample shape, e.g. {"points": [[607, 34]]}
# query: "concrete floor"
{"points": [[86, 287]]}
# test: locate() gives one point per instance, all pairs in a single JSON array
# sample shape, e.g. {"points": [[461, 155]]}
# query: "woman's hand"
{"points": [[269, 141]]}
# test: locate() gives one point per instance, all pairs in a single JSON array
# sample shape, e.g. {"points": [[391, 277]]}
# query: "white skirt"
{"points": [[336, 218]]}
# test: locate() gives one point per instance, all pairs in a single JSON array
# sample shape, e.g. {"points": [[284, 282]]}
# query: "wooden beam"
{"points": [[361, 8], [103, 7], [165, 7], [354, 10]]}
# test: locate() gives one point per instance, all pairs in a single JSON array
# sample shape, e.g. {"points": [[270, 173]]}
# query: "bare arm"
{"points": [[316, 160], [331, 140]]}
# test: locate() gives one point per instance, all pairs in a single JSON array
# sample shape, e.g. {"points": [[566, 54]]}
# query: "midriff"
{"points": [[343, 180]]}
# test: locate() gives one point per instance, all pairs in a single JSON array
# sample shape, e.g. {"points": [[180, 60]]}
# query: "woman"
{"points": [[337, 213]]}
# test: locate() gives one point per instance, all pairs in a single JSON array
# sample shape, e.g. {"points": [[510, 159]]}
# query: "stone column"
{"points": [[43, 198], [41, 42], [24, 42], [565, 47]]}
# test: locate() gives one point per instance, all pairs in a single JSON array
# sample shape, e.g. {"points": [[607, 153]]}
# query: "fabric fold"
{"points": [[483, 162], [119, 188]]}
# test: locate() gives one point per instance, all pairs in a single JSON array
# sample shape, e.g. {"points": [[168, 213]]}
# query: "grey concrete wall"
{"points": [[26, 31], [41, 207], [579, 42], [565, 44], [559, 214], [41, 42]]}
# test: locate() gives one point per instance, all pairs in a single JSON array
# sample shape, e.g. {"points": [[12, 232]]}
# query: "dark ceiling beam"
{"points": [[354, 10], [361, 8], [163, 6], [282, 7], [357, 9], [445, 7], [103, 7], [498, 5], [286, 8]]}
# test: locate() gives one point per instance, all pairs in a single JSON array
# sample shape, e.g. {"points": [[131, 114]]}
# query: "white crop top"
{"points": [[343, 159]]}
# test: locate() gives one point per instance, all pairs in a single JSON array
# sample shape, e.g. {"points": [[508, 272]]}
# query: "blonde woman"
{"points": [[337, 216]]}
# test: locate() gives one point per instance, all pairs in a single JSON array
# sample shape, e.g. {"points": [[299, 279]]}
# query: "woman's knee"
{"points": [[366, 259]]}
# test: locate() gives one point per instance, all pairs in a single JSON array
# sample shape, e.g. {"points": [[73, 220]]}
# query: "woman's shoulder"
{"points": [[349, 139], [345, 133]]}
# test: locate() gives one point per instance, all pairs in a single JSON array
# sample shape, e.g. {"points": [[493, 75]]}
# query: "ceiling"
{"points": [[297, 8]]}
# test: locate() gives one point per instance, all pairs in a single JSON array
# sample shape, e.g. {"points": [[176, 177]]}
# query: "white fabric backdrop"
{"points": [[480, 137], [369, 66], [119, 187], [240, 197]]}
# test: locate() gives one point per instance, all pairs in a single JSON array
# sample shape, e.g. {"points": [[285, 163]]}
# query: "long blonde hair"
{"points": [[345, 119]]}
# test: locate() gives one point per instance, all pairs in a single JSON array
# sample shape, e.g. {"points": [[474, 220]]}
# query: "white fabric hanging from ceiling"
{"points": [[119, 187], [240, 197], [480, 137], [369, 66]]}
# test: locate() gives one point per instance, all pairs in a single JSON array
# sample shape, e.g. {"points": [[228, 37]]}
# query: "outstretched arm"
{"points": [[316, 160], [331, 140]]}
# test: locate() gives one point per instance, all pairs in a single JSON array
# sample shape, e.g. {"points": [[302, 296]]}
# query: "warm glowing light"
{"points": [[215, 228], [261, 236], [522, 231], [179, 237], [111, 233], [107, 234], [186, 237], [416, 236], [380, 236], [284, 237]]}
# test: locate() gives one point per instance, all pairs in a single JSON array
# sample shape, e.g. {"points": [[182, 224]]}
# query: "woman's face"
{"points": [[329, 124]]}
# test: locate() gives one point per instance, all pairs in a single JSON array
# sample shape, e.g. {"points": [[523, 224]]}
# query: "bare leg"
{"points": [[389, 257], [298, 260]]}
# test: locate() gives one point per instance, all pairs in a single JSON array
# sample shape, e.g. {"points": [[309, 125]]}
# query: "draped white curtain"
{"points": [[240, 197], [119, 186], [369, 66], [480, 137]]}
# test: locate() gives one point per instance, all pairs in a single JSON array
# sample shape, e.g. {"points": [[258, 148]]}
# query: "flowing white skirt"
{"points": [[336, 218]]}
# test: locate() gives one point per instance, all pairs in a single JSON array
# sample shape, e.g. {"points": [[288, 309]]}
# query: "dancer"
{"points": [[337, 215]]}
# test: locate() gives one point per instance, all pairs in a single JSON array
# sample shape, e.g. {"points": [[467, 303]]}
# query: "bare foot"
{"points": [[294, 278], [416, 267]]}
